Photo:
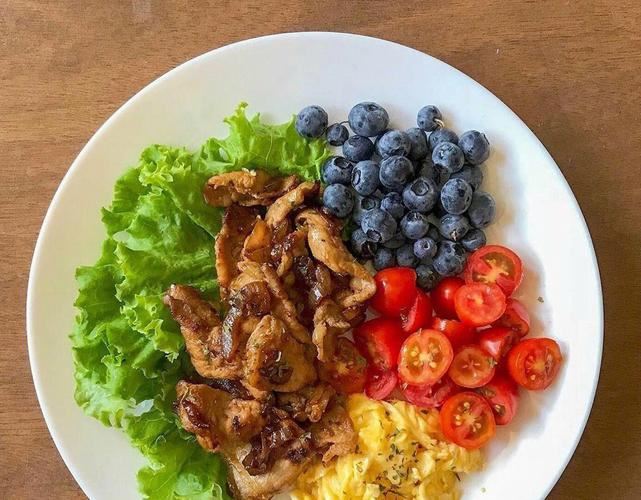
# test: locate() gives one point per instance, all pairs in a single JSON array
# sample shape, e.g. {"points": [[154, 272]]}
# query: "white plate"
{"points": [[538, 217]]}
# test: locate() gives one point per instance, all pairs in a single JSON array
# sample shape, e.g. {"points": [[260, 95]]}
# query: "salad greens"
{"points": [[128, 351]]}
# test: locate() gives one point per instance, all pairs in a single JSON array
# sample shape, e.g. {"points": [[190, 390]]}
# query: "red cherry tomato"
{"points": [[458, 333], [497, 341], [380, 384], [424, 358], [503, 395], [443, 297], [515, 317], [347, 371], [379, 340], [467, 420], [534, 363], [479, 304], [495, 264], [472, 367], [430, 396], [395, 291], [419, 315]]}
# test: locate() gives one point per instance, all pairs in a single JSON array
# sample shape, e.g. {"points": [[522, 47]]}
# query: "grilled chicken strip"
{"points": [[327, 246], [202, 331], [329, 324], [275, 361], [238, 223], [247, 188]]}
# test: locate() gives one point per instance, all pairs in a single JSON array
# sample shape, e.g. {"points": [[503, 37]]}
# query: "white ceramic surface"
{"points": [[538, 217]]}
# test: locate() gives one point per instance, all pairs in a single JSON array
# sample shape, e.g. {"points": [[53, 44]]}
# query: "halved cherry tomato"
{"points": [[347, 371], [479, 304], [472, 367], [534, 363], [443, 297], [495, 264], [497, 341], [419, 315], [515, 317], [379, 340], [467, 420], [458, 333], [424, 358], [430, 396], [380, 384], [503, 395], [395, 291]]}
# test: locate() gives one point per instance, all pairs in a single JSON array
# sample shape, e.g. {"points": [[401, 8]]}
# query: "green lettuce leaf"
{"points": [[128, 351]]}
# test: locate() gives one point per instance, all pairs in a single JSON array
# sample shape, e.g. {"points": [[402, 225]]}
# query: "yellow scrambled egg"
{"points": [[401, 453]]}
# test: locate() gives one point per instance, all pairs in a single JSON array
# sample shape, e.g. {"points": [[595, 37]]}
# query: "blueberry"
{"points": [[450, 259], [338, 200], [482, 210], [438, 210], [475, 146], [405, 256], [434, 233], [454, 227], [420, 195], [456, 196], [378, 225], [414, 225], [426, 277], [393, 204], [396, 241], [442, 135], [365, 177], [361, 246], [474, 240], [425, 248], [358, 148], [362, 205], [431, 171], [429, 118], [448, 156], [337, 134], [395, 172], [473, 175], [418, 143], [368, 119], [337, 170], [393, 143], [384, 258], [311, 122]]}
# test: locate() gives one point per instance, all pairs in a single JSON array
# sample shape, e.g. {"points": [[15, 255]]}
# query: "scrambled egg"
{"points": [[401, 453]]}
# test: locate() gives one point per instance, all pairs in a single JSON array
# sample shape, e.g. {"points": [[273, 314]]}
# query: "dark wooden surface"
{"points": [[570, 69]]}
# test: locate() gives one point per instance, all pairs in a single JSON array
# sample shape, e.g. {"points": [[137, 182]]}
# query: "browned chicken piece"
{"points": [[247, 188], [202, 330], [280, 476], [284, 254], [283, 206], [308, 404], [327, 246], [257, 247], [238, 223], [218, 421], [247, 305], [282, 306], [329, 324], [334, 434], [274, 360]]}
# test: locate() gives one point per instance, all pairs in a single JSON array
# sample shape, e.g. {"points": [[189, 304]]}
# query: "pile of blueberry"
{"points": [[413, 196]]}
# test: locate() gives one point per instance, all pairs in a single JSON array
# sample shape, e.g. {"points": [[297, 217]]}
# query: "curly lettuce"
{"points": [[128, 351]]}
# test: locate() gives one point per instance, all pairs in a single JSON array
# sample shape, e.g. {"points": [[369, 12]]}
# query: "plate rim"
{"points": [[95, 137]]}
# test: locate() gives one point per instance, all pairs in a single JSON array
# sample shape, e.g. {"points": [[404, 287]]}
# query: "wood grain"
{"points": [[570, 69]]}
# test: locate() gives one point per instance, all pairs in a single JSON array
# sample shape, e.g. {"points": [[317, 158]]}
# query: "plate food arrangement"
{"points": [[310, 308]]}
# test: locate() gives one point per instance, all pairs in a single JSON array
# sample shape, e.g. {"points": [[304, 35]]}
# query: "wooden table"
{"points": [[570, 69]]}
